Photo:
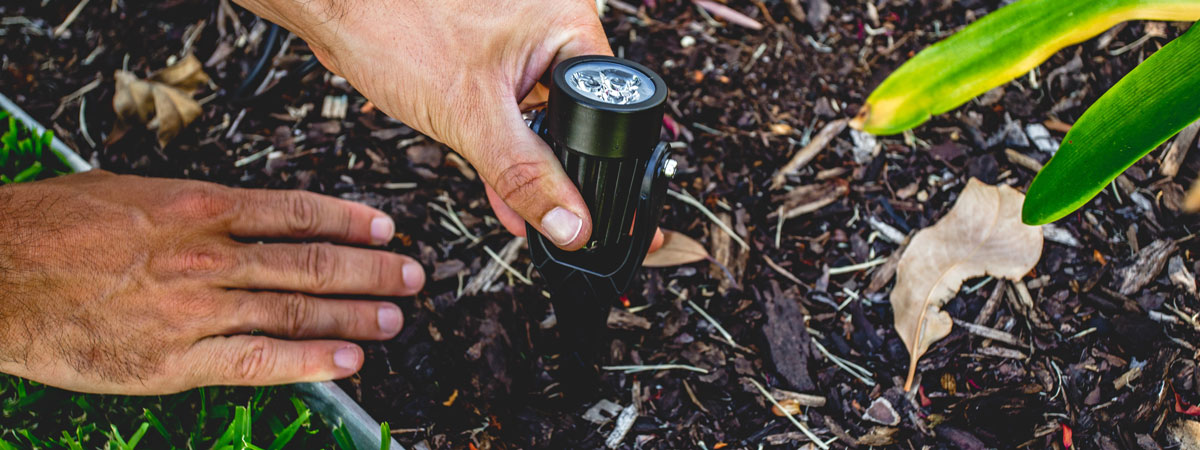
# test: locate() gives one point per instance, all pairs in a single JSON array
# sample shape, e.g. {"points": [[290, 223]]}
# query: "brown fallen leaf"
{"points": [[677, 249], [162, 103], [982, 234]]}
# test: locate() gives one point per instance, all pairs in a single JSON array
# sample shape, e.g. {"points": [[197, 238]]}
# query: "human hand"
{"points": [[457, 70], [130, 285]]}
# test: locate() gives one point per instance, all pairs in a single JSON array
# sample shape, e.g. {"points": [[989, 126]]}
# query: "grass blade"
{"points": [[157, 424], [137, 436], [288, 433], [996, 49], [1153, 102], [342, 437], [385, 441]]}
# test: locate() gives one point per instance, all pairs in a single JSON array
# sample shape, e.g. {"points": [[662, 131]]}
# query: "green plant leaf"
{"points": [[157, 424], [288, 433], [385, 441], [1153, 102], [342, 437], [996, 49], [29, 173]]}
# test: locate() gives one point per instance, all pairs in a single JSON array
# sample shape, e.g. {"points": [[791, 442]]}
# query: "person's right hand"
{"points": [[458, 71], [130, 285]]}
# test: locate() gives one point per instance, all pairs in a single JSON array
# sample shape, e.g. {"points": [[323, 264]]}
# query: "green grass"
{"points": [[25, 156], [33, 415]]}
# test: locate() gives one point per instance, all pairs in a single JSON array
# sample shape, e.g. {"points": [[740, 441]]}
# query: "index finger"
{"points": [[302, 215]]}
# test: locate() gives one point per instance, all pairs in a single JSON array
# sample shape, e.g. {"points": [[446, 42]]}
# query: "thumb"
{"points": [[523, 174]]}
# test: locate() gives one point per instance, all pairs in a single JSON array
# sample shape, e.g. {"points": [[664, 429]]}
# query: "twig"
{"points": [[687, 198], [846, 365], [254, 157], [989, 333], [857, 267], [710, 319], [810, 151], [83, 129], [784, 272], [70, 18], [656, 367], [687, 387], [1191, 320], [803, 429], [507, 267]]}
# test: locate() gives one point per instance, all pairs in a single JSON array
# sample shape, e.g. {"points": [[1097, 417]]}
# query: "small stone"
{"points": [[687, 41]]}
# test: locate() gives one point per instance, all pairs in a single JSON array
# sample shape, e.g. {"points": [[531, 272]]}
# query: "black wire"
{"points": [[252, 79], [274, 40]]}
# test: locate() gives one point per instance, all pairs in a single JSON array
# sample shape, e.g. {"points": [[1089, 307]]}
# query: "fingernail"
{"points": [[389, 319], [414, 275], [346, 358], [382, 230], [562, 226]]}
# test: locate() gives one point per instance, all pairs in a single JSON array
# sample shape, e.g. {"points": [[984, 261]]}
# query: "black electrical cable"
{"points": [[270, 47], [272, 43]]}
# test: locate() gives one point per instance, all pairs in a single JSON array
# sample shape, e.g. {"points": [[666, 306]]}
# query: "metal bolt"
{"points": [[669, 168]]}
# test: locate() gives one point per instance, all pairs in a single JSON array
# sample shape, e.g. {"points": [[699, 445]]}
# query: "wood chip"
{"points": [[621, 319], [881, 411], [1175, 155], [989, 333], [810, 151], [809, 198], [493, 269], [1001, 352], [1180, 275], [1149, 263], [798, 398], [1022, 160], [788, 339], [624, 423], [989, 307], [886, 271]]}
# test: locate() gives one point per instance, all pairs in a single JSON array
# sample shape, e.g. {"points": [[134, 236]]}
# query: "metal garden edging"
{"points": [[326, 398]]}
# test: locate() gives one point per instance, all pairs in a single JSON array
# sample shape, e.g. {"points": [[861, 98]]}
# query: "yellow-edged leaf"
{"points": [[996, 49], [982, 234]]}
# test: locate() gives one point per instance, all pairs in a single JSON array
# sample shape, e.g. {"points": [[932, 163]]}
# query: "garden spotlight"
{"points": [[602, 120]]}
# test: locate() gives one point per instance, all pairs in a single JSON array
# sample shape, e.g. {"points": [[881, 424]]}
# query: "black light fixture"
{"points": [[603, 120]]}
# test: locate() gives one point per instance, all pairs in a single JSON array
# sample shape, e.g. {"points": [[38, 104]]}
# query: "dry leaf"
{"points": [[677, 249], [163, 103], [982, 234]]}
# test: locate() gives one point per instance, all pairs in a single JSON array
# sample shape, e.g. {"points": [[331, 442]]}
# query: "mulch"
{"points": [[474, 366]]}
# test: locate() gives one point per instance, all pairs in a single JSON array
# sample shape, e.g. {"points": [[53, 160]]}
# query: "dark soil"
{"points": [[476, 370]]}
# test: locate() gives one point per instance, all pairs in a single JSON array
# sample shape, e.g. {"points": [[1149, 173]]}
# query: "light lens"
{"points": [[610, 83]]}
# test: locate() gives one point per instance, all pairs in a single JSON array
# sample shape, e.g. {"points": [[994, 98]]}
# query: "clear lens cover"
{"points": [[610, 83]]}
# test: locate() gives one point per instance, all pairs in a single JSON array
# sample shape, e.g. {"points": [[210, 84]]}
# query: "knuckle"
{"points": [[200, 202], [297, 314], [519, 181], [204, 260], [254, 361], [302, 214], [320, 264]]}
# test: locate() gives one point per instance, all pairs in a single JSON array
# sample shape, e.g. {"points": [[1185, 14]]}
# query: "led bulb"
{"points": [[610, 83]]}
